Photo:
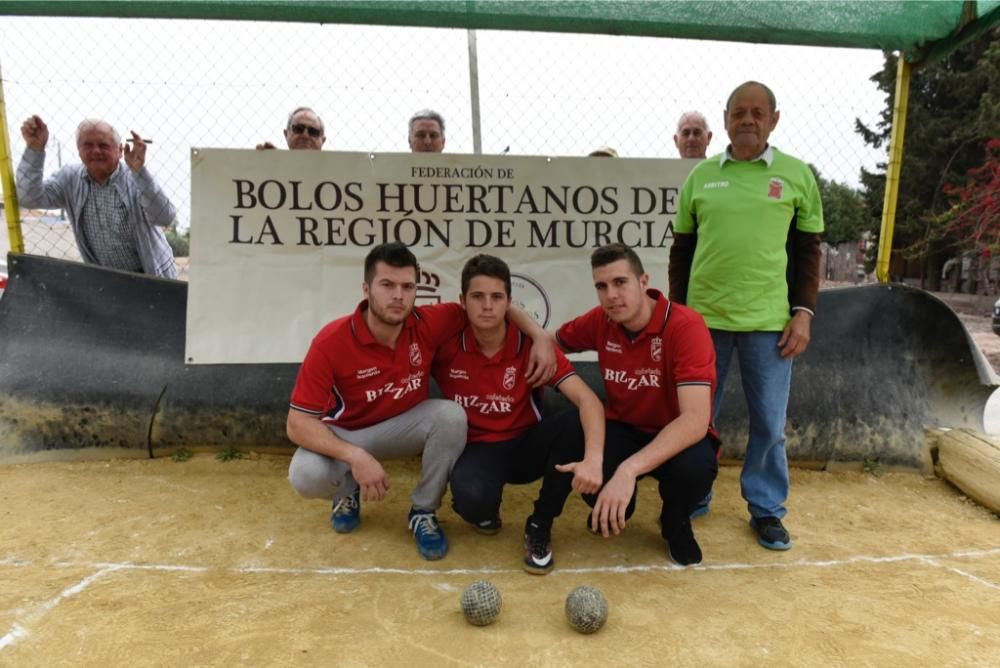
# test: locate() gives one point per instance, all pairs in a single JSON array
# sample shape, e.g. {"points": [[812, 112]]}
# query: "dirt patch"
{"points": [[220, 564]]}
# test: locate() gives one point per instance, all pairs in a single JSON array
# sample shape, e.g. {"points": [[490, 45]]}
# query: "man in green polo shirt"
{"points": [[746, 257]]}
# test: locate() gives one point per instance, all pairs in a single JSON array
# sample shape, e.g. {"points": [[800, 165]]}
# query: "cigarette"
{"points": [[144, 141]]}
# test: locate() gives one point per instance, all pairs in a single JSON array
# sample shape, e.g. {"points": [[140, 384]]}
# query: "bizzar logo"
{"points": [[642, 378], [491, 404], [397, 390]]}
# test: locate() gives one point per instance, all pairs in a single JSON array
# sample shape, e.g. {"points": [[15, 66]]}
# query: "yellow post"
{"points": [[894, 168], [7, 180]]}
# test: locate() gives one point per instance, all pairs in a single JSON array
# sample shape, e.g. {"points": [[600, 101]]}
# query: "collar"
{"points": [[658, 321], [767, 156], [113, 178], [512, 345], [360, 328]]}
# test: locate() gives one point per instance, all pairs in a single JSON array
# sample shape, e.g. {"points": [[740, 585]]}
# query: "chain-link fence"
{"points": [[232, 84]]}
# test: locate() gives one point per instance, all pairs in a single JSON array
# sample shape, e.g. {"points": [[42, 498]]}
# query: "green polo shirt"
{"points": [[742, 212]]}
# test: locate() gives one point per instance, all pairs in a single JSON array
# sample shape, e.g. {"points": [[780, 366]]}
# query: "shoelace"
{"points": [[423, 523], [346, 504], [539, 542]]}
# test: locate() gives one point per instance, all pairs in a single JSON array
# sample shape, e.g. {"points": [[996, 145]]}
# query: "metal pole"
{"points": [[895, 167], [7, 180], [477, 137]]}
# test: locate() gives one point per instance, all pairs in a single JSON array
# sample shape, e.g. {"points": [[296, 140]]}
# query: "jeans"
{"points": [[767, 378]]}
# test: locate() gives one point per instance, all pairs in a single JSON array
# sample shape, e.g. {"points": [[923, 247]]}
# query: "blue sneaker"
{"points": [[431, 541], [346, 515]]}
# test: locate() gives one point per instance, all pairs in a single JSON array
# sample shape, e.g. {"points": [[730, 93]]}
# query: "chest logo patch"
{"points": [[416, 359], [509, 378], [775, 188], [656, 349]]}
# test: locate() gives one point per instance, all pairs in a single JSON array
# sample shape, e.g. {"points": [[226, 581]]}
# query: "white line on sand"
{"points": [[641, 568], [19, 631], [959, 571]]}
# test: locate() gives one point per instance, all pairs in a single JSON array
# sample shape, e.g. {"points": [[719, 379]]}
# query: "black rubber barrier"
{"points": [[94, 358]]}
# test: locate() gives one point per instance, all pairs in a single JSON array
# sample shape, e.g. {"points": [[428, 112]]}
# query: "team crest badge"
{"points": [[416, 359], [656, 349], [509, 377], [774, 188]]}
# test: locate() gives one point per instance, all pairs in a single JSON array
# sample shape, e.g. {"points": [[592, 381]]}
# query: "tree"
{"points": [[973, 222], [952, 114], [179, 243], [844, 215]]}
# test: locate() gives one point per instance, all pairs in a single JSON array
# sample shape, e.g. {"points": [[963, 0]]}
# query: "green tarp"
{"points": [[922, 30]]}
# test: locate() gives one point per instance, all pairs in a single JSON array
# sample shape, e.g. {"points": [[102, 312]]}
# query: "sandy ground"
{"points": [[205, 563], [158, 563]]}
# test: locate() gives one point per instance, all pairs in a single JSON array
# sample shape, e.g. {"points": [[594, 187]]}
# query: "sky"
{"points": [[231, 84]]}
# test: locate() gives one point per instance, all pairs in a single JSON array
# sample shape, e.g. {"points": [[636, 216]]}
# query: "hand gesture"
{"points": [[370, 476], [135, 155], [587, 475], [612, 503], [35, 133]]}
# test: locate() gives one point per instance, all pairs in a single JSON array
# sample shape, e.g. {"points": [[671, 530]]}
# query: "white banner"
{"points": [[278, 238]]}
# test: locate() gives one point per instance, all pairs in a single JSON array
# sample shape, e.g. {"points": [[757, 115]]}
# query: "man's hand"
{"points": [[612, 502], [795, 338], [135, 155], [370, 476], [265, 145], [587, 475], [541, 365], [35, 133]]}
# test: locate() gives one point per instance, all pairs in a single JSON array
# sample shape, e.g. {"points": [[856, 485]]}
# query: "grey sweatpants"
{"points": [[435, 427]]}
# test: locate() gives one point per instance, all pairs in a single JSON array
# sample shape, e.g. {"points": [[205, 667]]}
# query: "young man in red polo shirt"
{"points": [[658, 366], [361, 397], [509, 442]]}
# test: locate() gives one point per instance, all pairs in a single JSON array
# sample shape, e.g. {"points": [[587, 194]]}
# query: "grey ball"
{"points": [[481, 603], [586, 609]]}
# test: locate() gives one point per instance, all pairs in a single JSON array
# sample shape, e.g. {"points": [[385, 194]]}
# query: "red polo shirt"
{"points": [[499, 403], [641, 375], [353, 381]]}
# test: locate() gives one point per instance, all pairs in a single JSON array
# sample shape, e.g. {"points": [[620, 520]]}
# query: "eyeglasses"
{"points": [[299, 128]]}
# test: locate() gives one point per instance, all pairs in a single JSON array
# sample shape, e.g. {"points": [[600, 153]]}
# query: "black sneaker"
{"points": [[488, 527], [681, 544], [537, 549], [771, 533]]}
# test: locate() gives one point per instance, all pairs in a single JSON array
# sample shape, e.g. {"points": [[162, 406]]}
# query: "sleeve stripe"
{"points": [[557, 383], [303, 409], [694, 382]]}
